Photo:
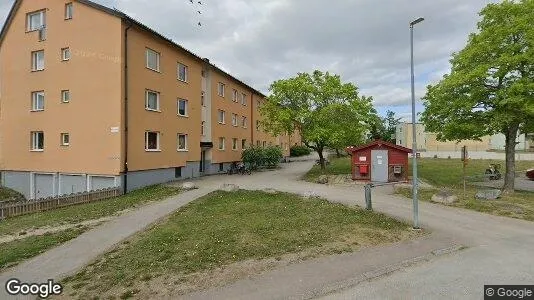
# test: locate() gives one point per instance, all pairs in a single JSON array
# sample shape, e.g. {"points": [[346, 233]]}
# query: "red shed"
{"points": [[379, 161]]}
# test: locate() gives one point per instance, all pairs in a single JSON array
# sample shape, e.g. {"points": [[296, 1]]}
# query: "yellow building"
{"points": [[428, 141], [93, 99]]}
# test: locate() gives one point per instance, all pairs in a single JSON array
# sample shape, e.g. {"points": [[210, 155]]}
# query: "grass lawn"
{"points": [[447, 173], [337, 166], [224, 228], [17, 251], [82, 212]]}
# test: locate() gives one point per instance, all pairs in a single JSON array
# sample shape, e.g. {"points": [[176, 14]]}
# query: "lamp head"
{"points": [[419, 20]]}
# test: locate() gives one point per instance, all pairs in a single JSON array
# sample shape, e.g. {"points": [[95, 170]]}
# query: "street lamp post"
{"points": [[414, 132]]}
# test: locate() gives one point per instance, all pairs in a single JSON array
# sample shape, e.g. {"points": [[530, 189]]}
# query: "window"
{"points": [[244, 99], [38, 62], [182, 142], [234, 95], [36, 20], [234, 144], [234, 120], [152, 141], [152, 100], [68, 11], [222, 142], [38, 101], [221, 89], [264, 144], [182, 107], [152, 60], [258, 143], [37, 141], [65, 139], [221, 167], [178, 172], [202, 100], [65, 54], [222, 117], [244, 122], [243, 144], [257, 125], [65, 96], [203, 128], [182, 72]]}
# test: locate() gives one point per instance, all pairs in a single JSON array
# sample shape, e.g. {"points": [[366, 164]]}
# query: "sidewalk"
{"points": [[70, 257]]}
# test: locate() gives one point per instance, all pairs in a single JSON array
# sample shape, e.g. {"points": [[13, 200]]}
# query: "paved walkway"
{"points": [[68, 258], [500, 249]]}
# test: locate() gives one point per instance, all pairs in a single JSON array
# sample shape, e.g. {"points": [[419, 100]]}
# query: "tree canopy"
{"points": [[491, 85], [327, 112]]}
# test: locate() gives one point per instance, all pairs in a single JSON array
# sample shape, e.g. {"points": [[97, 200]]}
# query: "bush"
{"points": [[257, 157], [297, 151]]}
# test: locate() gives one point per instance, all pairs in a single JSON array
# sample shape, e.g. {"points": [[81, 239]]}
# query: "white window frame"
{"points": [[65, 54], [235, 94], [178, 142], [158, 138], [35, 61], [235, 122], [186, 71], [244, 122], [243, 144], [186, 113], [222, 142], [221, 113], [234, 144], [157, 100], [158, 60], [63, 136], [69, 11], [42, 16], [65, 96], [244, 99], [221, 89], [35, 101], [34, 135]]}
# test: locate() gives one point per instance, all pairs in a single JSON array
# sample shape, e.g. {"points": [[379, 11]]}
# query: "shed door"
{"points": [[379, 165], [44, 185]]}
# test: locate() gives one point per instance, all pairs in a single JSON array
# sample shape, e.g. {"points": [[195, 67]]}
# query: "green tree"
{"points": [[327, 112], [491, 86], [384, 128]]}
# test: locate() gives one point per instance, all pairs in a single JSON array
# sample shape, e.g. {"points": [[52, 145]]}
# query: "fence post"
{"points": [[368, 203]]}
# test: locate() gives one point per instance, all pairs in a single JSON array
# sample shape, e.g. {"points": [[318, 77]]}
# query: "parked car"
{"points": [[530, 174]]}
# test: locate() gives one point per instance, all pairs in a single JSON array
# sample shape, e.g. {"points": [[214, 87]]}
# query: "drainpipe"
{"points": [[125, 187]]}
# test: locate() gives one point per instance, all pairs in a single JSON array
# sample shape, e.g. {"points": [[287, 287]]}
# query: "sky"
{"points": [[367, 42]]}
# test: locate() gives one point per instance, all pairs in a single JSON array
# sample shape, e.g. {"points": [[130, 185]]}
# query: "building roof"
{"points": [[128, 19], [353, 149]]}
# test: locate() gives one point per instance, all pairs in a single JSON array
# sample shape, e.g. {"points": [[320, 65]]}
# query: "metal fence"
{"points": [[18, 208]]}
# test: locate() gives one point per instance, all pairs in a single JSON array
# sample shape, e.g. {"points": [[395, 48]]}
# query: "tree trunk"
{"points": [[321, 158], [509, 177], [337, 153]]}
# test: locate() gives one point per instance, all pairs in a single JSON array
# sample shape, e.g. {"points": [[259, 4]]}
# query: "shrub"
{"points": [[297, 151], [257, 157], [272, 156]]}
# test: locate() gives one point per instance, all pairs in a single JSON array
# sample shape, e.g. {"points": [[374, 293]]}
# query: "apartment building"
{"points": [[427, 141], [90, 99]]}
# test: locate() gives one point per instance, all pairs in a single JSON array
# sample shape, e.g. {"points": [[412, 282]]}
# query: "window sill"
{"points": [[35, 71], [222, 123], [182, 150], [37, 110], [65, 102], [183, 81], [37, 150], [153, 110], [150, 150], [65, 60], [222, 150], [65, 145], [183, 116], [154, 70]]}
